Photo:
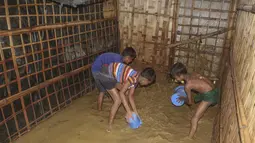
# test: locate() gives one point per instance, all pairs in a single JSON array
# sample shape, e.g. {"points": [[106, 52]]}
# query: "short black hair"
{"points": [[178, 69], [149, 74], [129, 51]]}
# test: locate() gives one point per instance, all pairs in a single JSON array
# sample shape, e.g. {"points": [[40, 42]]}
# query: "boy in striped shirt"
{"points": [[127, 56], [123, 77]]}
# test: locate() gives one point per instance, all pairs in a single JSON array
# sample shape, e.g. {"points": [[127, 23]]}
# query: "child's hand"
{"points": [[135, 111], [181, 98], [128, 116], [137, 114]]}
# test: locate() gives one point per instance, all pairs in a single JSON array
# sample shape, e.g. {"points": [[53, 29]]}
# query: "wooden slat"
{"points": [[34, 45], [41, 85], [47, 27]]}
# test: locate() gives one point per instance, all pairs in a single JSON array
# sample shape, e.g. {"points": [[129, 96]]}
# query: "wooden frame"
{"points": [[45, 54]]}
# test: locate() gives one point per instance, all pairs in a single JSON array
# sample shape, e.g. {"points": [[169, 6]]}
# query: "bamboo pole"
{"points": [[216, 40], [173, 32], [88, 44], [132, 24], [165, 29], [207, 28], [33, 43], [41, 47], [33, 52], [6, 126], [190, 32], [221, 31], [22, 99], [25, 15], [213, 37], [73, 31], [201, 26], [80, 39], [229, 35], [32, 47], [14, 62], [155, 48], [26, 61], [205, 18], [169, 16], [242, 121], [12, 98], [198, 31], [8, 89], [52, 26], [225, 57], [56, 41], [164, 44], [246, 8], [64, 49], [207, 9], [146, 13]]}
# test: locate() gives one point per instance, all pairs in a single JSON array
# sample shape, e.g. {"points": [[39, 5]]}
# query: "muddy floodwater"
{"points": [[162, 122]]}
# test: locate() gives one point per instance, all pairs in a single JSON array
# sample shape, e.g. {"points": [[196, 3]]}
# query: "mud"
{"points": [[162, 122]]}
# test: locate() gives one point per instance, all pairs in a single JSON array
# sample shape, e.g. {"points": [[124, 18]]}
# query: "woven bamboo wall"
{"points": [[244, 62], [237, 119], [198, 17], [150, 26], [45, 54], [146, 25], [226, 128]]}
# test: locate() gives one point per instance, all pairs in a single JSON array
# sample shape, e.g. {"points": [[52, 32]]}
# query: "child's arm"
{"points": [[123, 98], [131, 99], [188, 91]]}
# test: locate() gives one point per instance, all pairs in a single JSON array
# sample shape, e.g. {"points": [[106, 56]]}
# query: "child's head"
{"points": [[147, 76], [129, 54], [178, 71]]}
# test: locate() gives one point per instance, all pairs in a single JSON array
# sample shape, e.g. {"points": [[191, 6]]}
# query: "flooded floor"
{"points": [[162, 122]]}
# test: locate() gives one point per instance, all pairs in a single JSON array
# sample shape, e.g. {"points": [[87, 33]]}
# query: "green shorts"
{"points": [[211, 96]]}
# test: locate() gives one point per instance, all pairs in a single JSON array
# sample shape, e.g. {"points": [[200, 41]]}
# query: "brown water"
{"points": [[162, 122]]}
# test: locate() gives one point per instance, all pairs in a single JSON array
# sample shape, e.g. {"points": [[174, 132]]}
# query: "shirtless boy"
{"points": [[208, 94]]}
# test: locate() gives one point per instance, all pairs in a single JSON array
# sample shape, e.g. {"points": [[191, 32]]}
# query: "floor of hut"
{"points": [[162, 122]]}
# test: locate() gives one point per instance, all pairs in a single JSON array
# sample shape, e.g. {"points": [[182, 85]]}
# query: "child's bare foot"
{"points": [[99, 108], [109, 129], [191, 137], [187, 138]]}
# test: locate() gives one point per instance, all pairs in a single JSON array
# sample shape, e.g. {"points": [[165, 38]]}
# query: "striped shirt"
{"points": [[123, 73]]}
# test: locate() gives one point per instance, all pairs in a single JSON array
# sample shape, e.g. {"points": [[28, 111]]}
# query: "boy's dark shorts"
{"points": [[103, 80], [211, 96]]}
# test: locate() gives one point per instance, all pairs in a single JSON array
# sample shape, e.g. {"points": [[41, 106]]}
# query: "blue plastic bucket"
{"points": [[135, 122], [179, 91]]}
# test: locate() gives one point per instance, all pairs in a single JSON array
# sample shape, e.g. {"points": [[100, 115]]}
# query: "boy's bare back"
{"points": [[199, 83], [208, 94]]}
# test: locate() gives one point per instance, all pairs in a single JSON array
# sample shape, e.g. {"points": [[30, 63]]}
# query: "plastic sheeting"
{"points": [[73, 3]]}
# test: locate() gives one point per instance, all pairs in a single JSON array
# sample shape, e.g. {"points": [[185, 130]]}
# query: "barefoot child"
{"points": [[208, 95], [119, 73], [128, 55]]}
